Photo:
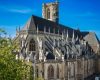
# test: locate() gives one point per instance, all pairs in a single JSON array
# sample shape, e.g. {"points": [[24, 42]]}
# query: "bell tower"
{"points": [[50, 11]]}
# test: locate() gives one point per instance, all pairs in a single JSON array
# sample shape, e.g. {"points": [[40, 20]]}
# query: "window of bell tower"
{"points": [[48, 13]]}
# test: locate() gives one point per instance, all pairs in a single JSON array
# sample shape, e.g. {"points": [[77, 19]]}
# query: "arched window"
{"points": [[32, 45], [50, 56], [50, 72], [48, 13], [65, 56]]}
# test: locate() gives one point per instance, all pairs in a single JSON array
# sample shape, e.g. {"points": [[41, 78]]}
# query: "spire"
{"points": [[73, 37], [67, 53], [16, 29], [67, 36], [37, 30], [19, 28], [77, 38], [62, 36]]}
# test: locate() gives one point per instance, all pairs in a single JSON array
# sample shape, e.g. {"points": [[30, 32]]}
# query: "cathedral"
{"points": [[58, 52]]}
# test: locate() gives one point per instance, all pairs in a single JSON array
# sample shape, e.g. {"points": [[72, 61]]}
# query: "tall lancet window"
{"points": [[32, 46], [50, 72], [48, 13]]}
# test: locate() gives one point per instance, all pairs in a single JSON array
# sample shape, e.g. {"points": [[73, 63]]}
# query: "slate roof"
{"points": [[84, 33], [91, 37], [42, 23]]}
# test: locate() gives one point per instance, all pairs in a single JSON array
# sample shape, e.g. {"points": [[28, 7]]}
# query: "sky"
{"points": [[82, 14]]}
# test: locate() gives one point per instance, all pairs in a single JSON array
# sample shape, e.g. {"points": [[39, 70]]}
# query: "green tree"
{"points": [[10, 68]]}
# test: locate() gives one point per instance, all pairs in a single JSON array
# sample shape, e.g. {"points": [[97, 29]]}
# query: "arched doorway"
{"points": [[32, 46], [50, 72]]}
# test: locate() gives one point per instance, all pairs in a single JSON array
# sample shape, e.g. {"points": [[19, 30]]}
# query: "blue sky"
{"points": [[83, 14]]}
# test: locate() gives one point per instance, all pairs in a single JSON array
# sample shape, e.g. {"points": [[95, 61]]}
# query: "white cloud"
{"points": [[23, 11], [16, 9]]}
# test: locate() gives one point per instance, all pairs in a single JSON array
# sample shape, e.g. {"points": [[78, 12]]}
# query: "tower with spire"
{"points": [[50, 11]]}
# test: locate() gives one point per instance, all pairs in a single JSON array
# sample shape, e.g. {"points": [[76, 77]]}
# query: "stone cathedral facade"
{"points": [[57, 52]]}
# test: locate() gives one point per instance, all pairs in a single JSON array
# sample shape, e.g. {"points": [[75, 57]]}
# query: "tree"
{"points": [[10, 68]]}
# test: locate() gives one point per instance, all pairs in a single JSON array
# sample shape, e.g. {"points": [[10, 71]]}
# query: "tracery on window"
{"points": [[32, 46]]}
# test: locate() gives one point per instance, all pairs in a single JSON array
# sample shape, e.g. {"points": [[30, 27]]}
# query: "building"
{"points": [[57, 52]]}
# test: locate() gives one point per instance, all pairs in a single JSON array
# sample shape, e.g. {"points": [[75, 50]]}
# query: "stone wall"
{"points": [[67, 70]]}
